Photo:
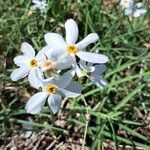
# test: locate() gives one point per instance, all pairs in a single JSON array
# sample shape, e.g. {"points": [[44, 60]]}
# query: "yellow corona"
{"points": [[72, 49], [51, 89], [33, 63]]}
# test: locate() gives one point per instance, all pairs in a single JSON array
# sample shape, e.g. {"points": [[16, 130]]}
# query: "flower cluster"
{"points": [[53, 68], [132, 9]]}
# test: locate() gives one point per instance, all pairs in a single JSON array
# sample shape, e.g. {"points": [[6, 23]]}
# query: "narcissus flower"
{"points": [[131, 9], [135, 10], [70, 46], [28, 64], [53, 91], [93, 72], [40, 4], [55, 60]]}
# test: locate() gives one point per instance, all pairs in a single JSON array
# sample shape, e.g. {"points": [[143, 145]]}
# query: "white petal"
{"points": [[128, 11], [54, 101], [78, 70], [43, 81], [91, 38], [21, 60], [143, 11], [99, 69], [82, 64], [19, 73], [98, 81], [44, 52], [136, 14], [90, 69], [139, 5], [89, 64], [33, 79], [71, 31], [56, 54], [74, 89], [36, 2], [27, 50], [40, 57], [139, 12], [87, 67], [92, 57], [64, 62], [65, 79], [36, 103], [126, 4], [51, 53], [55, 41]]}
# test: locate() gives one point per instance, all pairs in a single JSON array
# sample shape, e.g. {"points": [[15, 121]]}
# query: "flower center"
{"points": [[48, 65], [51, 88], [86, 73], [72, 49], [89, 74], [33, 63]]}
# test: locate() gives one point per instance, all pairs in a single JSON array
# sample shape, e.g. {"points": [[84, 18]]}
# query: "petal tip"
{"points": [[70, 20], [107, 60], [13, 77]]}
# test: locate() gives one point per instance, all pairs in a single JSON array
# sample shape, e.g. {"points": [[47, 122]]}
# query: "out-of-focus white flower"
{"points": [[132, 9], [135, 10], [40, 4], [93, 72], [53, 91], [70, 46], [126, 3], [29, 64]]}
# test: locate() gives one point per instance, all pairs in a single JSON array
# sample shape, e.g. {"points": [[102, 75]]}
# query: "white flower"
{"points": [[40, 4], [135, 10], [72, 48], [53, 91], [55, 60], [93, 72], [126, 3], [28, 64]]}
